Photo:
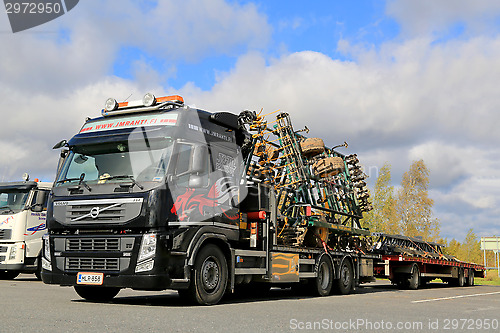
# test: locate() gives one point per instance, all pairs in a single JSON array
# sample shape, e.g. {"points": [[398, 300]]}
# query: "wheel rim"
{"points": [[345, 276], [210, 274], [324, 276]]}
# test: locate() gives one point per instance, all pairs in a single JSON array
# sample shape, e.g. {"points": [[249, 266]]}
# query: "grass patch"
{"points": [[491, 279]]}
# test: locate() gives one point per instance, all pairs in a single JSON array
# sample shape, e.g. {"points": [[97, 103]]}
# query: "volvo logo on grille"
{"points": [[94, 212]]}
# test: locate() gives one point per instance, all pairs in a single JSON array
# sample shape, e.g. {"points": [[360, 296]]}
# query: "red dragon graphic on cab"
{"points": [[221, 193]]}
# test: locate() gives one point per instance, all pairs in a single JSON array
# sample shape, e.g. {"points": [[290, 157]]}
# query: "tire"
{"points": [[470, 279], [8, 275], [461, 278], [38, 272], [323, 283], [414, 280], [209, 276], [97, 294], [312, 146], [344, 284]]}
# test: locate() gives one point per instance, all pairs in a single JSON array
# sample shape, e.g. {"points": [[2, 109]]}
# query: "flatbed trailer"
{"points": [[421, 263]]}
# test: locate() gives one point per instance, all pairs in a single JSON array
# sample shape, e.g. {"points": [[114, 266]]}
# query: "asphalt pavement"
{"points": [[28, 305]]}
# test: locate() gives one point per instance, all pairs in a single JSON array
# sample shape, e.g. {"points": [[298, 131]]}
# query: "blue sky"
{"points": [[399, 80], [295, 26]]}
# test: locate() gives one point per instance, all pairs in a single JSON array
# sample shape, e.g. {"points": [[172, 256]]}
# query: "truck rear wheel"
{"points": [[8, 275], [209, 278], [343, 286], [322, 284], [97, 294]]}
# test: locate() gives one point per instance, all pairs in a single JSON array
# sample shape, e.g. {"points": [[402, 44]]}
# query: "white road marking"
{"points": [[454, 297]]}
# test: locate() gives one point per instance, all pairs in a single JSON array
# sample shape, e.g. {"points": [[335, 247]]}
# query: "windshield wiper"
{"points": [[132, 179], [67, 180], [82, 182]]}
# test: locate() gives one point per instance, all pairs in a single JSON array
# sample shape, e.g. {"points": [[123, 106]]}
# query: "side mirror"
{"points": [[40, 200], [60, 144], [199, 162]]}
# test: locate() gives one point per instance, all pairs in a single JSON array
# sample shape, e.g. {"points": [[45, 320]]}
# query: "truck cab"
{"points": [[136, 190], [23, 211]]}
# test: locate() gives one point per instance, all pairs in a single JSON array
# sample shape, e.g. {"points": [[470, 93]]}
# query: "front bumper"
{"points": [[139, 282]]}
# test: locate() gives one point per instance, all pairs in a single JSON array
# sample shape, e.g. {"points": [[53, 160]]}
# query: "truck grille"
{"points": [[5, 233], [2, 258], [93, 244], [96, 213], [112, 211], [91, 264], [3, 249]]}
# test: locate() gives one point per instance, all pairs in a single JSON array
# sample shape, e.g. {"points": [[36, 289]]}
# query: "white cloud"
{"points": [[80, 47], [436, 17]]}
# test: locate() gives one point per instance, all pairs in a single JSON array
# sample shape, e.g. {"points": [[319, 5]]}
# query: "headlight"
{"points": [[148, 247], [111, 104], [149, 99], [46, 264], [13, 252], [46, 246]]}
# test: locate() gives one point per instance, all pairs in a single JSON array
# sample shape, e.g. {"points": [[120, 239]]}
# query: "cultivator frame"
{"points": [[320, 192]]}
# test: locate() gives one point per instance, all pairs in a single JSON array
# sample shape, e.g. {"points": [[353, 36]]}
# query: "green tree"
{"points": [[414, 207], [383, 217], [471, 248], [453, 248]]}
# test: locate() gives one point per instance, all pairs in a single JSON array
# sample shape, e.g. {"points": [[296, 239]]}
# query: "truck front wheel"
{"points": [[97, 294], [209, 278]]}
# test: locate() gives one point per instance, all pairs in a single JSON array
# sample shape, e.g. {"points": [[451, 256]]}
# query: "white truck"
{"points": [[23, 207]]}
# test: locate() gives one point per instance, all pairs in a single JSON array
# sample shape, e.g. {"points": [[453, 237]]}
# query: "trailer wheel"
{"points": [[97, 294], [461, 278], [414, 280], [470, 279], [8, 275], [322, 284], [209, 278], [343, 286]]}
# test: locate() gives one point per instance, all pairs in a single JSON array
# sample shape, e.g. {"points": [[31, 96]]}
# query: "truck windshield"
{"points": [[12, 201], [136, 160]]}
